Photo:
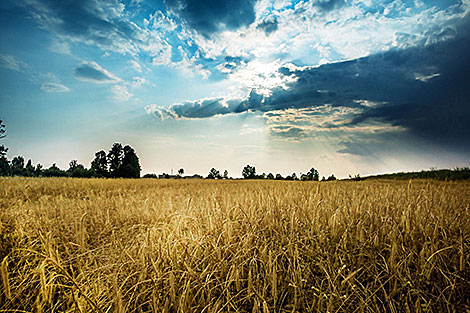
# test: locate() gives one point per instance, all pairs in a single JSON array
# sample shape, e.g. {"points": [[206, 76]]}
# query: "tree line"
{"points": [[118, 162], [458, 173], [248, 172]]}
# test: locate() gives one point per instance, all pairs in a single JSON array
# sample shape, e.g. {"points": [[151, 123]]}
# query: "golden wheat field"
{"points": [[101, 245]]}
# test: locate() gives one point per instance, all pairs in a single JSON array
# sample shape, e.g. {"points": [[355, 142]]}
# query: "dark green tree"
{"points": [[332, 177], [151, 175], [180, 172], [130, 166], [225, 174], [17, 166], [311, 175], [73, 165], [214, 174], [54, 171], [4, 163], [270, 176], [38, 170], [99, 165], [292, 177], [279, 177], [249, 172], [29, 168], [115, 155], [77, 170]]}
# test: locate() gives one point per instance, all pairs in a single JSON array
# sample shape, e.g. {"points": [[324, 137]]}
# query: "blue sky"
{"points": [[344, 86]]}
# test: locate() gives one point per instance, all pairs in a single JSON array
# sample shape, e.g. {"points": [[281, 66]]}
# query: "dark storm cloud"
{"points": [[92, 72], [201, 109], [268, 25], [92, 21], [329, 5], [422, 89], [211, 16]]}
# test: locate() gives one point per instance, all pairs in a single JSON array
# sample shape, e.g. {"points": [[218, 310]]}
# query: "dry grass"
{"points": [[78, 245]]}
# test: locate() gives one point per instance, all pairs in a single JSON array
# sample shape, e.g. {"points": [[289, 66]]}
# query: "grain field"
{"points": [[102, 245]]}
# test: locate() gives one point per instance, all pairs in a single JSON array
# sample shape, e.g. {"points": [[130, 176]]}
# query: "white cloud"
{"points": [[159, 21], [138, 81], [120, 93], [160, 112], [252, 130], [135, 65], [54, 88], [61, 47], [12, 63], [424, 78], [160, 52], [261, 76], [151, 108]]}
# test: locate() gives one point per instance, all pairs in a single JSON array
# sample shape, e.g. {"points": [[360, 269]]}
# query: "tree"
{"points": [[270, 176], [225, 174], [29, 169], [214, 174], [17, 166], [249, 172], [99, 165], [279, 177], [2, 130], [4, 163], [54, 171], [38, 170], [74, 165], [292, 177], [115, 155], [181, 171], [77, 170], [130, 166], [311, 175], [332, 177], [356, 177], [3, 152], [151, 175]]}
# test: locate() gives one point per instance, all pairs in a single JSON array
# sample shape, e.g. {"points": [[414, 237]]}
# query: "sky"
{"points": [[348, 87]]}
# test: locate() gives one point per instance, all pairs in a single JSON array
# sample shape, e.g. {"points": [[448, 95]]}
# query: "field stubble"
{"points": [[81, 245]]}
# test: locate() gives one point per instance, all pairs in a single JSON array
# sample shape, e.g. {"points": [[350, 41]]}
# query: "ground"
{"points": [[143, 245]]}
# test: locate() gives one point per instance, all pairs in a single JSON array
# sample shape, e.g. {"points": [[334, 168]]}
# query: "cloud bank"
{"points": [[212, 16], [421, 89]]}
